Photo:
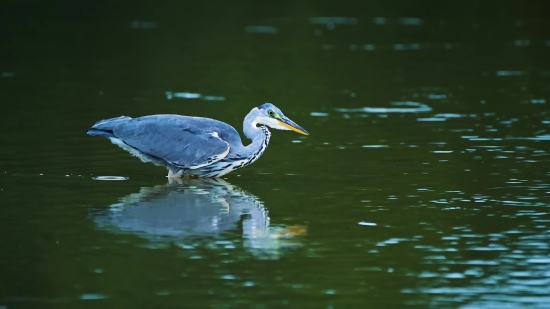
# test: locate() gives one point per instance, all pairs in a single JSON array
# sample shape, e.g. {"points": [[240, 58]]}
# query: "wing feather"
{"points": [[178, 140]]}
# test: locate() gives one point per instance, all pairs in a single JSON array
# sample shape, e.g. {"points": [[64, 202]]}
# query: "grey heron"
{"points": [[195, 146]]}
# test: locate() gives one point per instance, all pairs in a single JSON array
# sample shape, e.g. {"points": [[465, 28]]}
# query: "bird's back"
{"points": [[224, 130]]}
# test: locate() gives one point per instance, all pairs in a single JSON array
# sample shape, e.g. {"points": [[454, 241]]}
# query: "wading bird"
{"points": [[195, 146]]}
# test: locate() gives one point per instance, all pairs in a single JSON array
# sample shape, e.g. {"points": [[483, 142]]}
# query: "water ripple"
{"points": [[402, 107], [116, 178]]}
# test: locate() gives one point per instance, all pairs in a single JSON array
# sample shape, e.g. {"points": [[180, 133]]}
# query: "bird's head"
{"points": [[271, 116]]}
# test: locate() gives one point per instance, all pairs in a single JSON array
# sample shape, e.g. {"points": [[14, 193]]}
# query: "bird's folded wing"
{"points": [[173, 140]]}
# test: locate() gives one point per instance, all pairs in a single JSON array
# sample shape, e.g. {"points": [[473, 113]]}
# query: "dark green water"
{"points": [[425, 181]]}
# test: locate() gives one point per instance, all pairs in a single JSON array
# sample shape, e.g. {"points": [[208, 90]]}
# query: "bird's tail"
{"points": [[105, 127]]}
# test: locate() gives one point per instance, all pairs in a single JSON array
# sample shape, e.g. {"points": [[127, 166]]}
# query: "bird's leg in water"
{"points": [[173, 173], [174, 181]]}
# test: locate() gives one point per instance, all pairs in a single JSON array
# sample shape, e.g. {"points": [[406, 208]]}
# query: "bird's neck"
{"points": [[249, 126], [258, 135]]}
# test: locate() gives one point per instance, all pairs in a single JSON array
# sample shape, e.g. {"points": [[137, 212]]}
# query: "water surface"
{"points": [[424, 181]]}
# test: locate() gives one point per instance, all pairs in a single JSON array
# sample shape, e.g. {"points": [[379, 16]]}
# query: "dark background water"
{"points": [[424, 182]]}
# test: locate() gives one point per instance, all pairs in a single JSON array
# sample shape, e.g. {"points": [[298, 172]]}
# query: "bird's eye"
{"points": [[270, 113]]}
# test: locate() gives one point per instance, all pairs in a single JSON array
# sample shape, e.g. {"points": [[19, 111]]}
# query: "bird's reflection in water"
{"points": [[184, 210]]}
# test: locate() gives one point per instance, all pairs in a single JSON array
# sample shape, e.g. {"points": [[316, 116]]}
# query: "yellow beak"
{"points": [[291, 125]]}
